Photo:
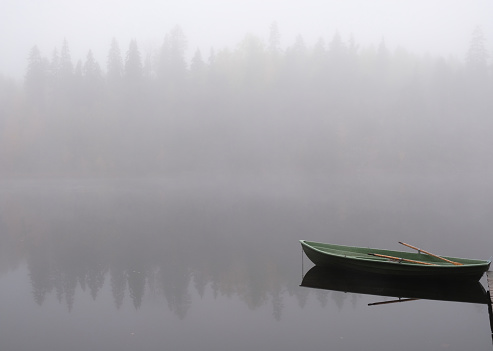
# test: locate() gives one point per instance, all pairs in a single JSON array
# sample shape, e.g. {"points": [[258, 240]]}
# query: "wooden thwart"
{"points": [[401, 259], [428, 253]]}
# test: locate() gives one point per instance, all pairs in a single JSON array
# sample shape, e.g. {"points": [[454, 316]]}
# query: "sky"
{"points": [[437, 27]]}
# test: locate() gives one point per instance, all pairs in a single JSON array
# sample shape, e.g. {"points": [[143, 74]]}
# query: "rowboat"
{"points": [[394, 263]]}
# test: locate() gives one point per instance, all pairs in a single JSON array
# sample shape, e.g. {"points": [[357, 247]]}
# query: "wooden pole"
{"points": [[401, 259], [392, 301], [428, 253]]}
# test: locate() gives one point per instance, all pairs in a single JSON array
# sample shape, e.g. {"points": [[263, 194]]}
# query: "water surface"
{"points": [[214, 263]]}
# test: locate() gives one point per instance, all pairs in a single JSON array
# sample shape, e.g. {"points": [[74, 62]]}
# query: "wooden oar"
{"points": [[429, 253], [392, 301], [401, 259]]}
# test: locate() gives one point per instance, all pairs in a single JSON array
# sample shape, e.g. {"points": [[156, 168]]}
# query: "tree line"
{"points": [[334, 106]]}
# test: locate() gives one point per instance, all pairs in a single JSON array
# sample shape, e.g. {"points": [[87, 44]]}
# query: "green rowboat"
{"points": [[393, 263]]}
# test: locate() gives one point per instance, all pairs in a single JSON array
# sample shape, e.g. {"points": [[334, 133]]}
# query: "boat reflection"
{"points": [[400, 288]]}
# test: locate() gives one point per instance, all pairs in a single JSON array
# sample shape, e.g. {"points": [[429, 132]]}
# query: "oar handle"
{"points": [[412, 247], [429, 253]]}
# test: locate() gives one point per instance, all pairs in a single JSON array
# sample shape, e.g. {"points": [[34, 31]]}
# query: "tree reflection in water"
{"points": [[140, 244], [140, 239]]}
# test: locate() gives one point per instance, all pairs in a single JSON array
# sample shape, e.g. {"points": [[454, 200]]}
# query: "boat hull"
{"points": [[358, 259]]}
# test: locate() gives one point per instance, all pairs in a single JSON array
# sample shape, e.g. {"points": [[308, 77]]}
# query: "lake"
{"points": [[214, 262]]}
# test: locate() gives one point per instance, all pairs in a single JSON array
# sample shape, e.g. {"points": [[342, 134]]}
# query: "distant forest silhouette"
{"points": [[331, 107]]}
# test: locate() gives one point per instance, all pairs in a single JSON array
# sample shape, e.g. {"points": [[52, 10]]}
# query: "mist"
{"points": [[124, 89], [159, 163], [335, 106], [419, 26]]}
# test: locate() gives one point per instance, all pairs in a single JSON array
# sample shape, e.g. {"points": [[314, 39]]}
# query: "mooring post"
{"points": [[489, 280], [302, 264]]}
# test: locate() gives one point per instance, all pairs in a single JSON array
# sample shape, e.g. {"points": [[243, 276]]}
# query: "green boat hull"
{"points": [[359, 259]]}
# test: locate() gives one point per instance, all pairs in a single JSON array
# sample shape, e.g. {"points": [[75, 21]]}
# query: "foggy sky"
{"points": [[434, 26]]}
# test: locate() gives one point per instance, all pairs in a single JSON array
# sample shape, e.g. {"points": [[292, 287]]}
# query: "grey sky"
{"points": [[435, 26]]}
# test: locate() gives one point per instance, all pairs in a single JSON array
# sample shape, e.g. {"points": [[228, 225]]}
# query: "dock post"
{"points": [[489, 279]]}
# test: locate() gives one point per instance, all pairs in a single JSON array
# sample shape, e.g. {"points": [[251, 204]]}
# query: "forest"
{"points": [[332, 107]]}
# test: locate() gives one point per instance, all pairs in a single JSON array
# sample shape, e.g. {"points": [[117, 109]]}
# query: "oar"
{"points": [[429, 253], [401, 259], [392, 301]]}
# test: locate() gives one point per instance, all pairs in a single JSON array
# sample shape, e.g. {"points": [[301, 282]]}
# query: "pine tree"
{"points": [[133, 64], [92, 78], [36, 76], [91, 70], [197, 69], [274, 38], [64, 83], [178, 50], [66, 65], [477, 55], [114, 65], [171, 66], [54, 69]]}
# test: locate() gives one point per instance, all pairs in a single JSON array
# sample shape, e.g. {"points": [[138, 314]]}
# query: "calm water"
{"points": [[215, 263]]}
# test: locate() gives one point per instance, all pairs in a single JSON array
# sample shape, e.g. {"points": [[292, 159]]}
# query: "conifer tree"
{"points": [[114, 64], [92, 78], [133, 64], [171, 66], [36, 76], [66, 65], [197, 69], [477, 55], [274, 38]]}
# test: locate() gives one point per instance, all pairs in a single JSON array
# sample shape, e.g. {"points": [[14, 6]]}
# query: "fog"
{"points": [[120, 88], [159, 162], [334, 106], [419, 26]]}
